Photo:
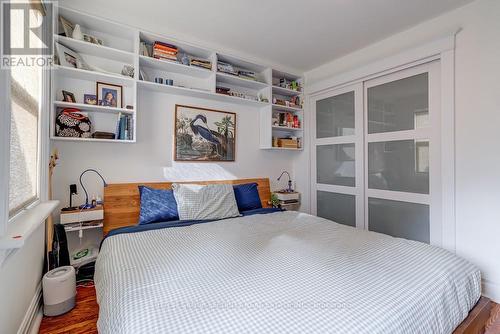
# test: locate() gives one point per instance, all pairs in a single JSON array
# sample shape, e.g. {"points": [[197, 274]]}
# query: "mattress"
{"points": [[280, 272]]}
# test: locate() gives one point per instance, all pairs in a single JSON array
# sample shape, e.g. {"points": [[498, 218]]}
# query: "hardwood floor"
{"points": [[83, 318]]}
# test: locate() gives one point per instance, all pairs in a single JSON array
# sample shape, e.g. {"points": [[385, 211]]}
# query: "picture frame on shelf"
{"points": [[90, 99], [69, 58], [202, 134], [110, 95], [68, 96], [68, 27]]}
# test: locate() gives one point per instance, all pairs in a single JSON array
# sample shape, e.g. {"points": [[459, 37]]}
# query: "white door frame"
{"points": [[442, 49]]}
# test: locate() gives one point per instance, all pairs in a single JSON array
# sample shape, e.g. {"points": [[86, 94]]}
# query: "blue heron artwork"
{"points": [[204, 134]]}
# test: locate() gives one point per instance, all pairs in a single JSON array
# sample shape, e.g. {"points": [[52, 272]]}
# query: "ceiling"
{"points": [[295, 34]]}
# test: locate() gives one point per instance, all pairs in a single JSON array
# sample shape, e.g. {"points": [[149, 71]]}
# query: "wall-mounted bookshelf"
{"points": [[169, 66]]}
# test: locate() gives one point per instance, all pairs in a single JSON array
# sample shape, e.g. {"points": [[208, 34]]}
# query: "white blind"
{"points": [[25, 107]]}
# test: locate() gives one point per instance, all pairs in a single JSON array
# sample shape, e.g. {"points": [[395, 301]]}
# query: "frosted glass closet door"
{"points": [[401, 154], [337, 156]]}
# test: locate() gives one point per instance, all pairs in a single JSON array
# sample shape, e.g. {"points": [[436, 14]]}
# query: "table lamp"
{"points": [[290, 190], [87, 205]]}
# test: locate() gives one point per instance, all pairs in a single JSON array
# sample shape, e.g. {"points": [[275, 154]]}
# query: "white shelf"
{"points": [[123, 141], [81, 228], [281, 149], [175, 90], [81, 74], [92, 108], [285, 128], [285, 91], [120, 36], [285, 108], [96, 50], [170, 66], [229, 79], [121, 46]]}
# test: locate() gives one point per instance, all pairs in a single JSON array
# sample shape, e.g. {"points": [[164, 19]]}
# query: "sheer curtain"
{"points": [[25, 87]]}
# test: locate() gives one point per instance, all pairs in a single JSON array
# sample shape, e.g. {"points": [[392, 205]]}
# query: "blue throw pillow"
{"points": [[157, 205], [247, 196]]}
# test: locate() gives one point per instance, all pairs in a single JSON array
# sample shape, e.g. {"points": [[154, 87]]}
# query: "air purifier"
{"points": [[59, 290]]}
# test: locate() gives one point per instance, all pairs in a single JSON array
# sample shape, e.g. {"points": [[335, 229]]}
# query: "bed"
{"points": [[276, 272]]}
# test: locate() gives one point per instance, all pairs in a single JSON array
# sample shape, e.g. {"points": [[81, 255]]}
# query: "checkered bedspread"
{"points": [[275, 273]]}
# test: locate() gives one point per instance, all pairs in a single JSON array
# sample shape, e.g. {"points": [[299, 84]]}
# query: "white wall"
{"points": [[477, 122], [20, 275], [150, 159]]}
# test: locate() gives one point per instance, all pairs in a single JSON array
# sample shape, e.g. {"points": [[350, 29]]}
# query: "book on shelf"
{"points": [[165, 51], [164, 56], [124, 127], [201, 63], [165, 46], [103, 135], [145, 49]]}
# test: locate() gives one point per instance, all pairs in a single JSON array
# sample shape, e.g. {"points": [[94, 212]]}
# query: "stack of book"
{"points": [[165, 51], [247, 75], [201, 63], [124, 127]]}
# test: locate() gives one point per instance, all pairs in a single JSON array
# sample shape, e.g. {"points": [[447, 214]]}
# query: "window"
{"points": [[25, 101]]}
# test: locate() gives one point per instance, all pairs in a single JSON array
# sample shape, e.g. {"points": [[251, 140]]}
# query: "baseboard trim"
{"points": [[32, 312], [491, 290]]}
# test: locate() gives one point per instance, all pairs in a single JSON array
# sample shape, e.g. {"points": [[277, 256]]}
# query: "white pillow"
{"points": [[213, 201]]}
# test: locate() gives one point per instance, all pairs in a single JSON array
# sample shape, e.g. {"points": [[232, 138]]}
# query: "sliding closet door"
{"points": [[402, 158], [337, 156]]}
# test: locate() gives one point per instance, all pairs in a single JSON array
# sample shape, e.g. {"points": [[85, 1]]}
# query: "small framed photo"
{"points": [[109, 94], [90, 99], [68, 57], [68, 96], [67, 26]]}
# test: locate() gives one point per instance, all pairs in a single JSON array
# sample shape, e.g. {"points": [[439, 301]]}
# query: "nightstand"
{"points": [[288, 200], [78, 221]]}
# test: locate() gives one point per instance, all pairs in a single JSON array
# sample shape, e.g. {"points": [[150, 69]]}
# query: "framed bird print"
{"points": [[204, 134]]}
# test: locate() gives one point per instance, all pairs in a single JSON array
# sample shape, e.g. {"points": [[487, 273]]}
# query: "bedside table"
{"points": [[288, 200], [78, 221]]}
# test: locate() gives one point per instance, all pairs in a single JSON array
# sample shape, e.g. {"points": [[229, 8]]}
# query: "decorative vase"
{"points": [[77, 33]]}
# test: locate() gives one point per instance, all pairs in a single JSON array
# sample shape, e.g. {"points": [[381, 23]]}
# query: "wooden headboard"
{"points": [[122, 202]]}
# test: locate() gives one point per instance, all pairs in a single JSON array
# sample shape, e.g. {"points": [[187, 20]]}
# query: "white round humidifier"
{"points": [[59, 290]]}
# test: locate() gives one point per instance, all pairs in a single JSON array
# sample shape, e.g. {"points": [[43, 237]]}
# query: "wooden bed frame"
{"points": [[122, 204]]}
